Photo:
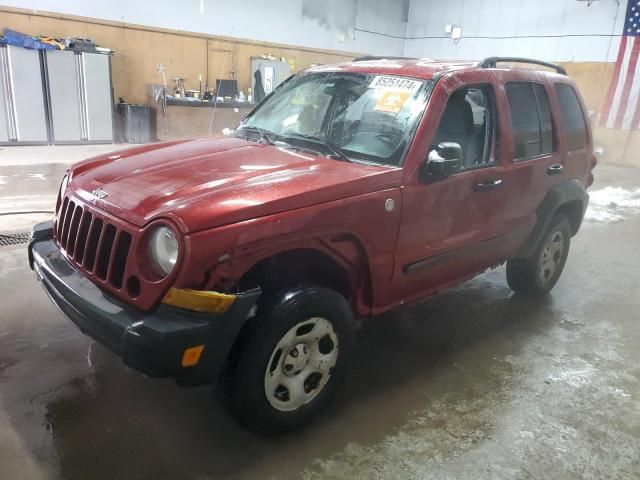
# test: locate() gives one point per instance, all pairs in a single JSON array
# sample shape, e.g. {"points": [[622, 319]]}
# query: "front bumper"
{"points": [[152, 342]]}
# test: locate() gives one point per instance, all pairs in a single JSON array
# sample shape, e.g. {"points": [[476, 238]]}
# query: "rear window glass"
{"points": [[531, 119], [575, 131]]}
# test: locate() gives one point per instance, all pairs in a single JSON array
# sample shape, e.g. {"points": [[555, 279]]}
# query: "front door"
{"points": [[457, 226]]}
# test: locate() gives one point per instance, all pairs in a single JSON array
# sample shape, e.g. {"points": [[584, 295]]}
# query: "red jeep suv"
{"points": [[350, 190]]}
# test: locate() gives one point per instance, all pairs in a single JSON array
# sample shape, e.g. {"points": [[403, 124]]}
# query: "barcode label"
{"points": [[395, 83]]}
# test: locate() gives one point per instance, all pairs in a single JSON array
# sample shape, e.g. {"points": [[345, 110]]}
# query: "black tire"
{"points": [[281, 313], [524, 274]]}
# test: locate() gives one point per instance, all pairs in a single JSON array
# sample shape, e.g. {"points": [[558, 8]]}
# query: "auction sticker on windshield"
{"points": [[391, 102], [395, 83]]}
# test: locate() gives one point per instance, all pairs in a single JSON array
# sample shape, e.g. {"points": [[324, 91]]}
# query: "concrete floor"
{"points": [[474, 383]]}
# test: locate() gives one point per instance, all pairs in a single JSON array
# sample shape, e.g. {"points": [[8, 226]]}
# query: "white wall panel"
{"points": [[532, 19]]}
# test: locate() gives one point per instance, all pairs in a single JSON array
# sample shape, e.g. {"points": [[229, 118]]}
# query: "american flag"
{"points": [[622, 106]]}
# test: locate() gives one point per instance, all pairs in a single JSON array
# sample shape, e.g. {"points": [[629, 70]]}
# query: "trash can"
{"points": [[135, 123]]}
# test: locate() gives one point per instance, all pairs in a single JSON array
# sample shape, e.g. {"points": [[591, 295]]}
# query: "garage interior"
{"points": [[476, 382]]}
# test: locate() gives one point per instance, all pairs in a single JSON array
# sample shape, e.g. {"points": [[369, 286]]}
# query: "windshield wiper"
{"points": [[263, 134], [334, 150]]}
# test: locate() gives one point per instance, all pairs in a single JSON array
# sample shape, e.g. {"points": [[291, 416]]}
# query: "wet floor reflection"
{"points": [[33, 184], [114, 423]]}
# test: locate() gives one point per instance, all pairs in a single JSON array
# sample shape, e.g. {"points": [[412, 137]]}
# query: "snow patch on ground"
{"points": [[612, 204], [616, 197], [600, 214]]}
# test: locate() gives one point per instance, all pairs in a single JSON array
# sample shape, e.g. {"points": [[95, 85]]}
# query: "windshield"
{"points": [[362, 116]]}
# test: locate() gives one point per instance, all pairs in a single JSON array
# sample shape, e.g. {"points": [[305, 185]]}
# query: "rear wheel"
{"points": [[294, 362], [538, 274]]}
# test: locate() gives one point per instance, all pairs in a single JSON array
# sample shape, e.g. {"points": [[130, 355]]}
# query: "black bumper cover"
{"points": [[151, 342]]}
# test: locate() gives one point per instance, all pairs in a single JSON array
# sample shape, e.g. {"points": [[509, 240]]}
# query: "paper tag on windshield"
{"points": [[396, 84]]}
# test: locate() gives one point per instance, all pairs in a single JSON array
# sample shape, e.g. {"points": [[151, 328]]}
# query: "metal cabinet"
{"points": [[23, 117], [64, 97], [98, 99], [80, 97], [55, 97], [5, 121]]}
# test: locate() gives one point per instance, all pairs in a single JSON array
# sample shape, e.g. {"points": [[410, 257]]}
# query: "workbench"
{"points": [[192, 119]]}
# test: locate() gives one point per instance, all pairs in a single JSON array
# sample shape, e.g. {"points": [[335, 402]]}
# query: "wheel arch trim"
{"points": [[561, 195], [345, 249]]}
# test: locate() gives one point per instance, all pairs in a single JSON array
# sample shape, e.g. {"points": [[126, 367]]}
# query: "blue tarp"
{"points": [[18, 39]]}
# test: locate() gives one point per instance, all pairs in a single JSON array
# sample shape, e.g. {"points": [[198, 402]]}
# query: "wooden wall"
{"points": [[593, 79], [620, 147], [140, 49]]}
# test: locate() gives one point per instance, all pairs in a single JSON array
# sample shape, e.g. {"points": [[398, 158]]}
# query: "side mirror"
{"points": [[442, 161]]}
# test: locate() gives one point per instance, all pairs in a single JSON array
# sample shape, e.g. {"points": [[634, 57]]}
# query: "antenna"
{"points": [[215, 102]]}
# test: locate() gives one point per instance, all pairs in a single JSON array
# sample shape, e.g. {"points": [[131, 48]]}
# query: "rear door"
{"points": [[534, 147]]}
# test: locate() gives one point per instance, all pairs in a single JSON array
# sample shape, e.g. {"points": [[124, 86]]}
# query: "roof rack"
{"points": [[492, 61], [373, 57]]}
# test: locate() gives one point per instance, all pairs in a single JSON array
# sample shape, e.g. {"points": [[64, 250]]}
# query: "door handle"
{"points": [[487, 185], [555, 169]]}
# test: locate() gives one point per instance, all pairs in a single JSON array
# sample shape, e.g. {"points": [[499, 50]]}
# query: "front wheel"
{"points": [[295, 360], [538, 275]]}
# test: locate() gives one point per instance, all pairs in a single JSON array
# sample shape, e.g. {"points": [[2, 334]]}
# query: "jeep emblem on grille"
{"points": [[99, 193]]}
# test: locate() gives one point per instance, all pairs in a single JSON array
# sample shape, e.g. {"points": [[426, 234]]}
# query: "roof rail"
{"points": [[373, 57], [492, 61]]}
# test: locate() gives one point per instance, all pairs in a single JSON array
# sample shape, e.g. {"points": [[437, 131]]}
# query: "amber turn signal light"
{"points": [[191, 356], [198, 300]]}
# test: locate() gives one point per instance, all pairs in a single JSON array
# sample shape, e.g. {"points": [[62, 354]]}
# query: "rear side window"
{"points": [[531, 119], [575, 131], [546, 128]]}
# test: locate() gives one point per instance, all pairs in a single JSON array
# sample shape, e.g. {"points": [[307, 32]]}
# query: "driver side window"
{"points": [[469, 120]]}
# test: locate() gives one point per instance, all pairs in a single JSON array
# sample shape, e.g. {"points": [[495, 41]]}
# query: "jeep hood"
{"points": [[212, 182]]}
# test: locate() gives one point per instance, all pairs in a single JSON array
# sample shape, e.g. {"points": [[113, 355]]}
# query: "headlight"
{"points": [[163, 250], [63, 185], [61, 192]]}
